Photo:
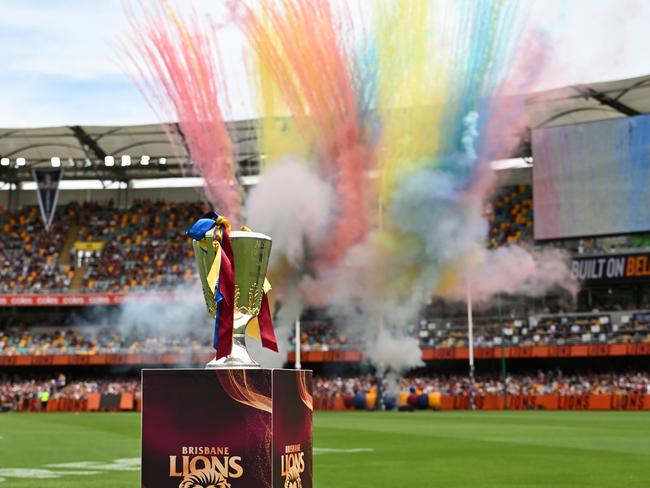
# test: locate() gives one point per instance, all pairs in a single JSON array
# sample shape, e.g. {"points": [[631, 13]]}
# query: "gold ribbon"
{"points": [[253, 328], [213, 275], [215, 269]]}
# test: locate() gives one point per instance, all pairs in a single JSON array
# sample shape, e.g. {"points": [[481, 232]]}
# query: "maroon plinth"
{"points": [[231, 428]]}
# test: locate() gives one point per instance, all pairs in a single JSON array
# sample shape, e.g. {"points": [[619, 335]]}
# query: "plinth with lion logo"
{"points": [[232, 424]]}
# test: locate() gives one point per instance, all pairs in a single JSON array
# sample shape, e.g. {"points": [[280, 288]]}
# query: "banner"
{"points": [[617, 267], [86, 299], [89, 245], [47, 188]]}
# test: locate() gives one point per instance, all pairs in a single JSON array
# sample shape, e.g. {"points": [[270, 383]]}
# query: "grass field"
{"points": [[356, 449]]}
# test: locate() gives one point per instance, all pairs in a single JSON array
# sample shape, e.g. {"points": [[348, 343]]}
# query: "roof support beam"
{"points": [[607, 100], [88, 143], [89, 146]]}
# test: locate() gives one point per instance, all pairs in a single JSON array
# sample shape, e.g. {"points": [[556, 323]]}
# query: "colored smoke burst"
{"points": [[392, 113]]}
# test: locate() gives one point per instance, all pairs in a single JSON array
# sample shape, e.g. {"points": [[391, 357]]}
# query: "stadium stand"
{"points": [[31, 256], [144, 246], [510, 214], [320, 336], [34, 395], [560, 329], [554, 382], [102, 341], [358, 392], [324, 336], [141, 248]]}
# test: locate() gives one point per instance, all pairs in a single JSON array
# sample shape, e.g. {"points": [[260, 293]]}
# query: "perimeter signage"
{"points": [[84, 299], [617, 267]]}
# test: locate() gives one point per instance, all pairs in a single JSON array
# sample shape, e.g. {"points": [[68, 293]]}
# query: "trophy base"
{"points": [[245, 428], [238, 357]]}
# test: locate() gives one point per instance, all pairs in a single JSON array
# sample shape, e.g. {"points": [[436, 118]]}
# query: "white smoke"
{"points": [[283, 326], [432, 242], [517, 270], [396, 350], [184, 315], [294, 206], [185, 312], [436, 241]]}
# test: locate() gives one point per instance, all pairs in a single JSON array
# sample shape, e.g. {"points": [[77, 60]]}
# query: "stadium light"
{"points": [[5, 186], [80, 185], [162, 160], [71, 162], [513, 163], [109, 161], [144, 160], [251, 180], [20, 161], [126, 160], [87, 163], [56, 161], [4, 161]]}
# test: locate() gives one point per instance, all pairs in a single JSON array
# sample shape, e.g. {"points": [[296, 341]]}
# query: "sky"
{"points": [[61, 58]]}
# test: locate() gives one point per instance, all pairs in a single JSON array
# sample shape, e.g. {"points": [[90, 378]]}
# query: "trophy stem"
{"points": [[238, 357]]}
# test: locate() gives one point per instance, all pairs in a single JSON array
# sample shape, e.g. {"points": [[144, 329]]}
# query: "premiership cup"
{"points": [[251, 252]]}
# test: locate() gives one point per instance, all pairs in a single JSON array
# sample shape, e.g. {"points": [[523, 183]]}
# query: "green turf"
{"points": [[450, 449]]}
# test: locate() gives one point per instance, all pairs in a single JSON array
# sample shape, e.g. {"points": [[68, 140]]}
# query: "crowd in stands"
{"points": [[546, 330], [528, 384], [102, 341], [320, 335], [14, 391], [316, 335], [144, 246], [510, 215], [30, 255]]}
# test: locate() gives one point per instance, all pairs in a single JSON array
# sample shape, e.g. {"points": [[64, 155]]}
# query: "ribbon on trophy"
{"points": [[261, 327], [221, 277]]}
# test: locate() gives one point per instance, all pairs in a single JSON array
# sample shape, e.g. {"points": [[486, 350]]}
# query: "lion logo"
{"points": [[206, 478], [293, 479]]}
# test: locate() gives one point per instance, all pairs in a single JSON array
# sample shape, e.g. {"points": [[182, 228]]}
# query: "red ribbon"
{"points": [[227, 305], [267, 333], [227, 289]]}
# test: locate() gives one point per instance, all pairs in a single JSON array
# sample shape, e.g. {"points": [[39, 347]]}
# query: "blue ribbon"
{"points": [[197, 232], [217, 298], [200, 227]]}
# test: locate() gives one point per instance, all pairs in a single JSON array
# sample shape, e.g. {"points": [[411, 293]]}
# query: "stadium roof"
{"points": [[585, 103], [82, 150]]}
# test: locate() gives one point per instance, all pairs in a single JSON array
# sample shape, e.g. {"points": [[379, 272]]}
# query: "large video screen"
{"points": [[592, 179]]}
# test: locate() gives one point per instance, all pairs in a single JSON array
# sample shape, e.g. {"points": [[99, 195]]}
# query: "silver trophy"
{"points": [[251, 252]]}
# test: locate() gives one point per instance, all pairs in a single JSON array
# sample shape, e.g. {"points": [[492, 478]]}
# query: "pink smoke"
{"points": [[516, 270], [175, 64], [308, 50]]}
